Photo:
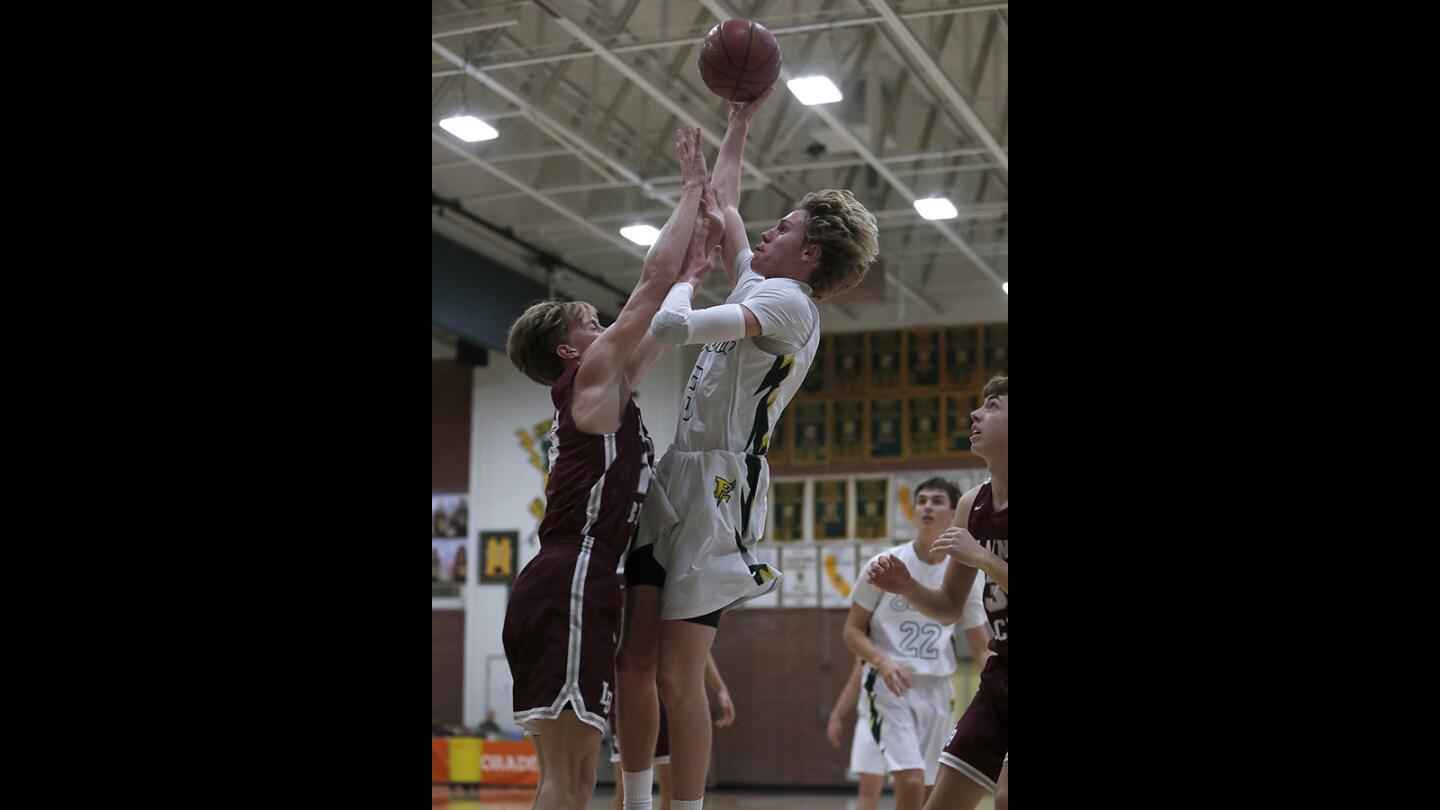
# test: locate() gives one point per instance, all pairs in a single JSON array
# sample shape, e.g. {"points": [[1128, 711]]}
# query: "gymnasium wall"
{"points": [[451, 390]]}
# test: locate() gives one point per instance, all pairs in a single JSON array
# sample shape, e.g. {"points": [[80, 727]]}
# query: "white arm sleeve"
{"points": [[677, 325]]}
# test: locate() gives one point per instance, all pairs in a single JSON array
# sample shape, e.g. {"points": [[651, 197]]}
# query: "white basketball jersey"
{"points": [[738, 388], [910, 638]]}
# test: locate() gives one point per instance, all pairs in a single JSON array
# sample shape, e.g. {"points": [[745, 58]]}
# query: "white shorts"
{"points": [[912, 728], [865, 756], [704, 512]]}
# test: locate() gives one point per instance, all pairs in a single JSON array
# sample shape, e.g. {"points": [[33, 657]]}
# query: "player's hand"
{"points": [[895, 676], [745, 110], [833, 730], [715, 218], [697, 260], [727, 709], [889, 574], [689, 150], [960, 545]]}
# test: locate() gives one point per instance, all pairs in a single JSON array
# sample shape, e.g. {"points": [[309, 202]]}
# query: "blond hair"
{"points": [[535, 334], [848, 238]]}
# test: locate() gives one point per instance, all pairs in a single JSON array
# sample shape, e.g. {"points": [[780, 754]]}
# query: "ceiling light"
{"points": [[812, 90], [936, 208], [468, 128], [640, 234]]}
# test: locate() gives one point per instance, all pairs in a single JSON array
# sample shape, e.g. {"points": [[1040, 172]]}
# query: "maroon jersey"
{"points": [[992, 530], [563, 617], [597, 482]]}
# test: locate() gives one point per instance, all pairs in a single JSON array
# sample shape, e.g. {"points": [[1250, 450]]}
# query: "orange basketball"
{"points": [[739, 59]]}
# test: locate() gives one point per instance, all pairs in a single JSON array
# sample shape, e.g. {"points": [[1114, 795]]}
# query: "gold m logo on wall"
{"points": [[499, 552], [723, 489]]}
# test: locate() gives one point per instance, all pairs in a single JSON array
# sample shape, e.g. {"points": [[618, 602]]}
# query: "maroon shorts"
{"points": [[559, 634], [662, 741], [981, 739]]}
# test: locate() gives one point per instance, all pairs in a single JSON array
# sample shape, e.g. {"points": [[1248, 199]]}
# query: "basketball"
{"points": [[739, 59]]}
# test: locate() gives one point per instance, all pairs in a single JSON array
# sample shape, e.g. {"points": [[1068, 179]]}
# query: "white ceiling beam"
{"points": [[470, 29], [679, 42], [921, 58], [565, 136], [600, 233]]}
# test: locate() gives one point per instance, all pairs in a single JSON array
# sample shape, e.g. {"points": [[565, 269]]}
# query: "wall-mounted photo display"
{"points": [[923, 426], [886, 428], [885, 360], [958, 408], [961, 356], [449, 514], [787, 508], [848, 366], [832, 509], [447, 566], [922, 352], [848, 419], [871, 499], [810, 445]]}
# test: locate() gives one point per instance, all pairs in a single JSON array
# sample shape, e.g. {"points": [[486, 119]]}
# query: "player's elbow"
{"points": [[670, 328], [852, 638]]}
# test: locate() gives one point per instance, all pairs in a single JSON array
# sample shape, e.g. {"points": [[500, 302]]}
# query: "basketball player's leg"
{"points": [[909, 788], [684, 648], [569, 747], [870, 786], [662, 779], [636, 667], [955, 791], [1002, 786]]}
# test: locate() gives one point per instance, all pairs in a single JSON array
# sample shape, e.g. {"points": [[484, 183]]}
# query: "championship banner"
{"points": [[871, 498], [832, 510], [884, 360], [886, 437], [849, 363], [800, 587], [848, 417], [923, 354], [960, 356], [837, 575], [923, 427], [958, 408], [997, 346], [809, 445], [787, 507]]}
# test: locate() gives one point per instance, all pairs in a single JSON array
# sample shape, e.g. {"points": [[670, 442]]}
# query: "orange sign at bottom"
{"points": [[488, 762]]}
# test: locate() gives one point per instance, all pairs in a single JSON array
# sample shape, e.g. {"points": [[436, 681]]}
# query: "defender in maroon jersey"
{"points": [[560, 625], [979, 748]]}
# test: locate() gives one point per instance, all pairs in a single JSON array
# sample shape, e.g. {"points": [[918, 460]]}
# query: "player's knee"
{"points": [[633, 662], [671, 685], [910, 781], [870, 788]]}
